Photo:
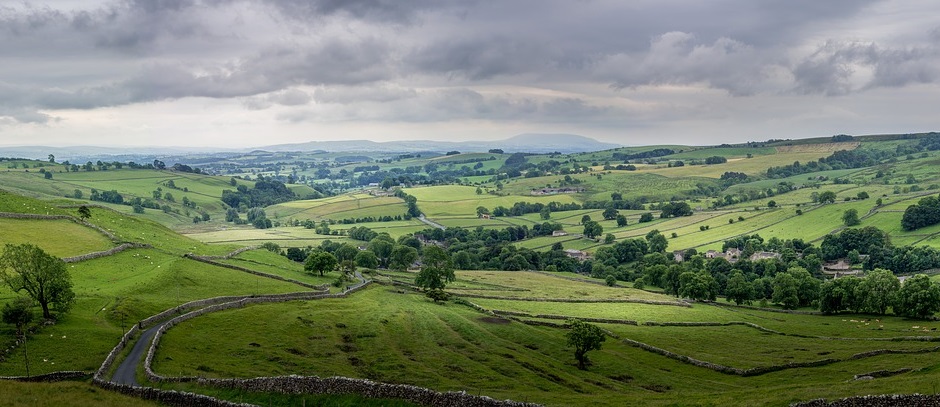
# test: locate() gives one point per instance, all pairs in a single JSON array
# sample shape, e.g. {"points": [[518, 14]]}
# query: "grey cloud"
{"points": [[830, 69], [387, 92]]}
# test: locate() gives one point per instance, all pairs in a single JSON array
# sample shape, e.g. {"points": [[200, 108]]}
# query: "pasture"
{"points": [[454, 347]]}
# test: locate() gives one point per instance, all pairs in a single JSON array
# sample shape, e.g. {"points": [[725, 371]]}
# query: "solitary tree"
{"points": [[320, 262], [850, 217], [84, 212], [583, 337], [592, 229], [43, 276], [437, 270]]}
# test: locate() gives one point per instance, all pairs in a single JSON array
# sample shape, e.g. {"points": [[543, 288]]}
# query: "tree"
{"points": [[879, 289], [738, 289], [43, 276], [826, 197], [609, 238], [656, 241], [545, 213], [918, 298], [771, 204], [646, 217], [402, 257], [319, 261], [18, 313], [346, 252], [841, 294], [584, 337], [786, 289], [437, 269], [850, 217], [367, 259], [592, 229], [621, 220], [84, 212], [610, 213], [699, 286]]}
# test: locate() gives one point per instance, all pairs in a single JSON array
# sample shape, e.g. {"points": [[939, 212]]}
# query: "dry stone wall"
{"points": [[888, 400], [94, 255], [363, 387], [579, 300]]}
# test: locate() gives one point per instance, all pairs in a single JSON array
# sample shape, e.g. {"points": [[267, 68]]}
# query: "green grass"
{"points": [[68, 393], [450, 347], [61, 238]]}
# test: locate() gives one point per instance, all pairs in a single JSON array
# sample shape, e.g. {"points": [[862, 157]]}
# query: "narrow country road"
{"points": [[127, 371], [431, 222]]}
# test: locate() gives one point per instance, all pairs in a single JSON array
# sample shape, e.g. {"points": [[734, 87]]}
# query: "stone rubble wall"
{"points": [[94, 255], [579, 300]]}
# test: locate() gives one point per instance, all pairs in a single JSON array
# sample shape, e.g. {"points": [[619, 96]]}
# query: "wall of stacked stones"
{"points": [[169, 397], [579, 300], [94, 255], [363, 387], [889, 400], [49, 377]]}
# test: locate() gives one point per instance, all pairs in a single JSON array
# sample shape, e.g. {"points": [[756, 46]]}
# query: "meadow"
{"points": [[502, 338]]}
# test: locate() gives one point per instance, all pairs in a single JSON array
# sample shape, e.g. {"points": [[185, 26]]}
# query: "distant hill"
{"points": [[529, 143]]}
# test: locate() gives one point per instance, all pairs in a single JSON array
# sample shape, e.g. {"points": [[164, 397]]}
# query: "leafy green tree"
{"points": [[656, 242], [699, 286], [437, 269], [367, 259], [879, 289], [807, 286], [83, 211], [584, 337], [592, 229], [18, 313], [402, 257], [918, 298], [621, 220], [346, 252], [319, 261], [610, 213], [738, 289], [463, 260], [786, 290], [841, 294], [646, 217], [609, 238], [850, 217], [43, 276], [826, 197], [382, 246]]}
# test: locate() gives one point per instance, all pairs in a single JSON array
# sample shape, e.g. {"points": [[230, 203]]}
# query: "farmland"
{"points": [[501, 333]]}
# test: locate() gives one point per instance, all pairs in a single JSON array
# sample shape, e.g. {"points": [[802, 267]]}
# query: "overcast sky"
{"points": [[250, 73]]}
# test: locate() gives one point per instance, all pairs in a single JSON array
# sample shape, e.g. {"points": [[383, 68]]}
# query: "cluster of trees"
{"points": [[925, 213], [842, 159], [675, 209], [659, 152], [264, 193], [917, 297], [715, 159]]}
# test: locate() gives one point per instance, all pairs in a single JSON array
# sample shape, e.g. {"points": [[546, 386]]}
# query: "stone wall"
{"points": [[363, 387], [50, 377], [579, 300], [94, 255], [888, 400], [169, 397]]}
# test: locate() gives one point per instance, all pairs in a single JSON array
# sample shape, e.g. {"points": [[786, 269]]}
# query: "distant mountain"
{"points": [[529, 143]]}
